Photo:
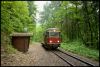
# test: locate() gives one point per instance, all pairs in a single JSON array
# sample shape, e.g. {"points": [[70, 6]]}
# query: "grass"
{"points": [[79, 48], [10, 49]]}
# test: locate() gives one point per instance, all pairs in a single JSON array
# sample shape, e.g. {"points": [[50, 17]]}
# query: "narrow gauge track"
{"points": [[69, 59]]}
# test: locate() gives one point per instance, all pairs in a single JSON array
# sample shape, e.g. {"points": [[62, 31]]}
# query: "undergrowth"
{"points": [[79, 48]]}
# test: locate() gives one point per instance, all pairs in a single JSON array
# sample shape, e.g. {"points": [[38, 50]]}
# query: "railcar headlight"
{"points": [[58, 40], [50, 41]]}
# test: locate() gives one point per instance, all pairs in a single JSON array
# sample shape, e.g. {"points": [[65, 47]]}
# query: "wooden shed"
{"points": [[21, 41]]}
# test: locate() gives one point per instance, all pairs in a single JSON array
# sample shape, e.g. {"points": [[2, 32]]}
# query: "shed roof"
{"points": [[21, 34]]}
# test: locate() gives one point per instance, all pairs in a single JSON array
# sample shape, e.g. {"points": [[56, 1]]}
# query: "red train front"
{"points": [[52, 38]]}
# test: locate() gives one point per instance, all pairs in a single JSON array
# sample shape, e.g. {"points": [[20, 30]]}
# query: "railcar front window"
{"points": [[53, 34]]}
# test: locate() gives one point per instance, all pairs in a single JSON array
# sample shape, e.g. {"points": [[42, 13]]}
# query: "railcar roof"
{"points": [[50, 29]]}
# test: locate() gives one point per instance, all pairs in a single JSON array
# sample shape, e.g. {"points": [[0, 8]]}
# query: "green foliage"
{"points": [[79, 48], [10, 49], [90, 27], [14, 16], [38, 34], [32, 8]]}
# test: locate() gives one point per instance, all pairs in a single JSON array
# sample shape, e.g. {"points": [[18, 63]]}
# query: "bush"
{"points": [[79, 48], [10, 49]]}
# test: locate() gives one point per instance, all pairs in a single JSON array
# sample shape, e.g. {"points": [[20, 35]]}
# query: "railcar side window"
{"points": [[47, 34]]}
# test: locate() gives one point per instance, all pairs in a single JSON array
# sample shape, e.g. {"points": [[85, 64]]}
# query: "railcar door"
{"points": [[45, 37]]}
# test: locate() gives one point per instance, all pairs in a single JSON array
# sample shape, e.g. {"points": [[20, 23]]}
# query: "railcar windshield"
{"points": [[54, 34]]}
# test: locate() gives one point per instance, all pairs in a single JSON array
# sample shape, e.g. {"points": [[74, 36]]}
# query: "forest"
{"points": [[77, 20]]}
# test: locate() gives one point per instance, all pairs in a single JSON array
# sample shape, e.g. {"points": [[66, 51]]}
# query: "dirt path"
{"points": [[36, 56]]}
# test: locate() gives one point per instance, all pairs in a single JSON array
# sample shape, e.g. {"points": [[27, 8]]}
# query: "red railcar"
{"points": [[52, 38]]}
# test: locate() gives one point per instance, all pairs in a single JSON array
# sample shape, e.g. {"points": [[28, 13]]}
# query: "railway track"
{"points": [[71, 60]]}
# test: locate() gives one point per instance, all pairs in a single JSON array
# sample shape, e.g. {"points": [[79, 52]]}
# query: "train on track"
{"points": [[52, 38]]}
